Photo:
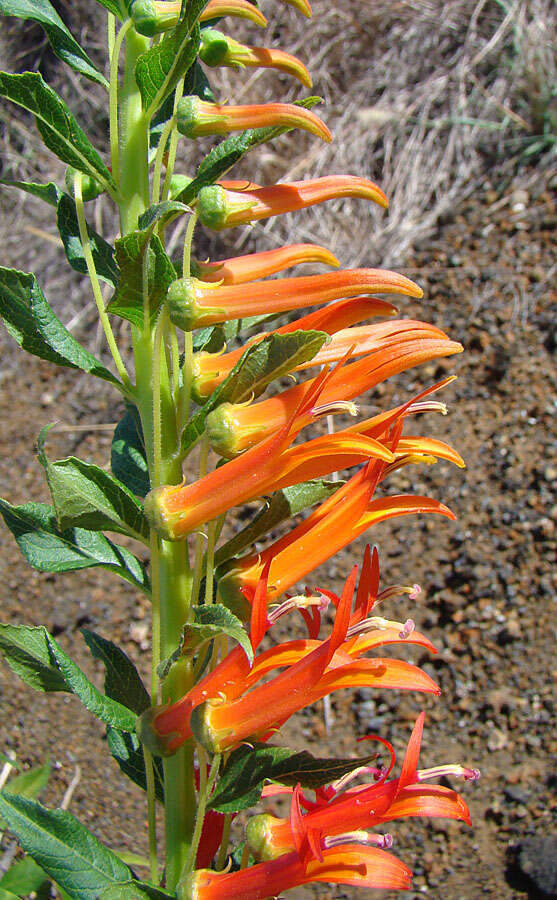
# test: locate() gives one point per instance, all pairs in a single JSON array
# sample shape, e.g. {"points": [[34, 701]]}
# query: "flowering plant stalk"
{"points": [[209, 338]]}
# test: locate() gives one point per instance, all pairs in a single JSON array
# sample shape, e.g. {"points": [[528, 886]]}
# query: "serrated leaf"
{"points": [[49, 550], [57, 125], [127, 454], [41, 663], [60, 38], [50, 192], [158, 71], [85, 496], [127, 750], [209, 622], [260, 364], [135, 890], [23, 878], [32, 323], [73, 857], [248, 767], [122, 681], [31, 782], [103, 253], [230, 151], [127, 302], [282, 505]]}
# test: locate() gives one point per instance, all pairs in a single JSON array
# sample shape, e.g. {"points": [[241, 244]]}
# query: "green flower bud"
{"points": [[89, 187]]}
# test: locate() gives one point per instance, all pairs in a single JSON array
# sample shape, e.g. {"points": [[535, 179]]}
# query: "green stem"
{"points": [[157, 170], [134, 139], [95, 284], [221, 856], [151, 817], [173, 142], [210, 561], [201, 809], [113, 96]]}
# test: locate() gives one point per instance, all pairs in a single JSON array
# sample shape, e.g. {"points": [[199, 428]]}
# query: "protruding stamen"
{"points": [[443, 771], [423, 406], [384, 841], [300, 601], [395, 590], [341, 784], [407, 629], [335, 407]]}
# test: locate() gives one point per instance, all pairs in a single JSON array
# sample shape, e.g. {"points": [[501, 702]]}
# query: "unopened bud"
{"points": [[184, 309], [150, 18], [89, 187], [216, 206]]}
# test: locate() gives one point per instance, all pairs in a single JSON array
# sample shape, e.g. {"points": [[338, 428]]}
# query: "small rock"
{"points": [[538, 860], [497, 740], [138, 634]]}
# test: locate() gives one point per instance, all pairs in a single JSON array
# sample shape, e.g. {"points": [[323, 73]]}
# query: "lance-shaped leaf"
{"points": [[24, 878], [127, 302], [31, 782], [48, 549], [126, 749], [57, 126], [103, 253], [112, 6], [67, 851], [135, 890], [282, 505], [40, 662], [60, 38], [127, 454], [50, 192], [208, 623], [230, 151], [158, 70], [215, 337], [161, 214], [122, 681], [32, 323], [274, 356], [85, 496], [248, 767]]}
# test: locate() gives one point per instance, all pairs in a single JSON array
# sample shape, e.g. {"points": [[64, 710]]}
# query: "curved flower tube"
{"points": [[251, 267], [196, 117], [349, 863], [222, 206], [194, 304], [233, 428], [218, 49], [164, 14]]}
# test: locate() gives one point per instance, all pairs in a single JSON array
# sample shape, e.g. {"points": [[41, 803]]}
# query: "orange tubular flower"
{"points": [[242, 269], [349, 863], [220, 206], [167, 12], [210, 369], [175, 511], [195, 304], [224, 722], [196, 117], [232, 428], [354, 633], [334, 524], [338, 810], [217, 49]]}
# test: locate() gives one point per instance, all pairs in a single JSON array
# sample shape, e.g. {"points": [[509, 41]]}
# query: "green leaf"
{"points": [[230, 151], [112, 6], [31, 782], [127, 454], [209, 622], [122, 681], [135, 890], [85, 496], [246, 769], [272, 357], [127, 750], [7, 895], [282, 505], [49, 550], [57, 126], [158, 71], [103, 253], [73, 857], [214, 337], [34, 655], [161, 214], [60, 39], [32, 323], [50, 192], [127, 302], [25, 877]]}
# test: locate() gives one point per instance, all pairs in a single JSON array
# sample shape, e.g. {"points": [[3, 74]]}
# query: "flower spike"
{"points": [[195, 304], [217, 49], [221, 207], [196, 117]]}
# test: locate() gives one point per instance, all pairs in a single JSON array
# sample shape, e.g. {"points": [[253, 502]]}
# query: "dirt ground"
{"points": [[488, 579]]}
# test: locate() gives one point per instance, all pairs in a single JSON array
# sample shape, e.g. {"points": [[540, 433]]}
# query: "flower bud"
{"points": [[195, 117], [217, 49], [89, 187], [150, 18]]}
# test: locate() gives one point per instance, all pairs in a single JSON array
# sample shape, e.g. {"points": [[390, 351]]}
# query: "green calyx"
{"points": [[214, 48], [220, 427], [157, 744], [230, 595], [184, 310], [258, 831], [156, 515], [216, 206], [147, 20], [89, 187], [202, 730]]}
